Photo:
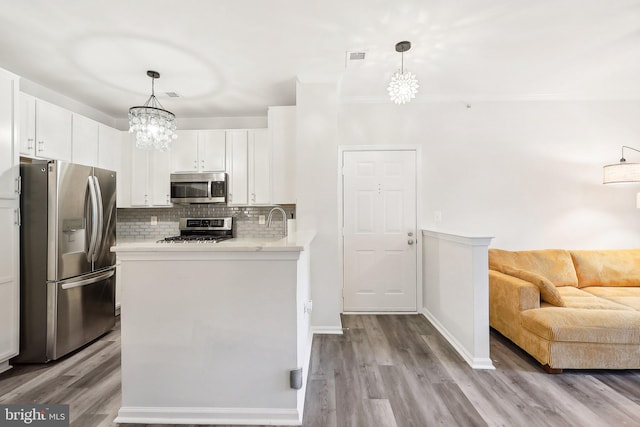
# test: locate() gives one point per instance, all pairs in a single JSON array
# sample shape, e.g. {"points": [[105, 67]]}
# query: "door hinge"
{"points": [[19, 185]]}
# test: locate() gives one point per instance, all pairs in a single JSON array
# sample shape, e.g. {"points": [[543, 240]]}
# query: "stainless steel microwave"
{"points": [[205, 187]]}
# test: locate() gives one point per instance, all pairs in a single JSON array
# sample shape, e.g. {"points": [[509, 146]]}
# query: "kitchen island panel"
{"points": [[212, 339]]}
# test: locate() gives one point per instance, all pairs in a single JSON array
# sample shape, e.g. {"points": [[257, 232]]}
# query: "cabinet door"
{"points": [[184, 152], [282, 136], [211, 150], [237, 168], [160, 171], [9, 281], [139, 176], [27, 113], [114, 154], [259, 168], [8, 153], [84, 141], [53, 131]]}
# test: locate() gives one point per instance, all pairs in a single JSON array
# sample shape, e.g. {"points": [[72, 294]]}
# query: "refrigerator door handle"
{"points": [[89, 281], [94, 218], [100, 222]]}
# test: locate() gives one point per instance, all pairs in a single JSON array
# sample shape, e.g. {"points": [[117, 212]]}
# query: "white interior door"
{"points": [[379, 234]]}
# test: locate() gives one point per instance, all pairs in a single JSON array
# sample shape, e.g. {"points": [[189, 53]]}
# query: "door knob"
{"points": [[410, 234], [410, 241]]}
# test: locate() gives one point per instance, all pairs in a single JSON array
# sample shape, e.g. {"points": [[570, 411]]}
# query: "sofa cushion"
{"points": [[607, 268], [548, 291], [554, 264], [579, 298], [627, 296], [587, 326]]}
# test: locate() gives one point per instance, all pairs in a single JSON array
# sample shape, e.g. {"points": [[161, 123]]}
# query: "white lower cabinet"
{"points": [[9, 282], [9, 221], [150, 172]]}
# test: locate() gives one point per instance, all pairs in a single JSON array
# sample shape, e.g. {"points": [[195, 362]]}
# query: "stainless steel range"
{"points": [[202, 230]]}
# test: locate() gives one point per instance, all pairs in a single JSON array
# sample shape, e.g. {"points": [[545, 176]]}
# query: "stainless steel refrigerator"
{"points": [[67, 272]]}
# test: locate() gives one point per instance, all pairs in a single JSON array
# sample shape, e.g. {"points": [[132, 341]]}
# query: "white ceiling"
{"points": [[236, 57]]}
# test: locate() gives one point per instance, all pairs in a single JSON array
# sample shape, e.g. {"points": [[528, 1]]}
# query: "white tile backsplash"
{"points": [[135, 223]]}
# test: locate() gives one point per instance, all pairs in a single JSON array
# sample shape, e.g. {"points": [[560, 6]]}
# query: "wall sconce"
{"points": [[623, 171]]}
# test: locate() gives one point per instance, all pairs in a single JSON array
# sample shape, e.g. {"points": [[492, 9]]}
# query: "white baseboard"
{"points": [[474, 362], [233, 416], [335, 330], [4, 366]]}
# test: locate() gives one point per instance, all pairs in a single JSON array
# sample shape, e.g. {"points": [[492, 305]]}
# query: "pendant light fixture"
{"points": [[403, 86], [623, 171], [153, 126]]}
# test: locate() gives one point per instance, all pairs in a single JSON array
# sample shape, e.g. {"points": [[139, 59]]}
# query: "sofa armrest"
{"points": [[508, 296]]}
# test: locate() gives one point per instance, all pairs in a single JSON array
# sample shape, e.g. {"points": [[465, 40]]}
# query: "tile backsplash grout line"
{"points": [[135, 223]]}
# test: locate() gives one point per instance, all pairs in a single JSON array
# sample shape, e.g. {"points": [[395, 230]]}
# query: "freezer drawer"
{"points": [[78, 311]]}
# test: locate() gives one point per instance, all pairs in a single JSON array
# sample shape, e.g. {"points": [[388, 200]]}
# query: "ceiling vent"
{"points": [[356, 56], [172, 95]]}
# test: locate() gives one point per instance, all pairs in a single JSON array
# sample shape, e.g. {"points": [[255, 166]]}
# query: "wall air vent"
{"points": [[356, 56]]}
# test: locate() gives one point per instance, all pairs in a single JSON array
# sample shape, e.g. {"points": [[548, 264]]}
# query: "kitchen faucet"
{"points": [[284, 219]]}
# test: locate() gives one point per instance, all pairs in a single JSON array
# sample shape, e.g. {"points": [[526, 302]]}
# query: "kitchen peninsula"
{"points": [[213, 333]]}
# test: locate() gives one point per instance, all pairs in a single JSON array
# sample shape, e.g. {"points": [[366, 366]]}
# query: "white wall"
{"points": [[528, 172], [317, 202]]}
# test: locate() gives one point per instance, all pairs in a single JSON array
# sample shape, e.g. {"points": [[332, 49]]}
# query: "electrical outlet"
{"points": [[261, 220], [308, 307], [154, 220]]}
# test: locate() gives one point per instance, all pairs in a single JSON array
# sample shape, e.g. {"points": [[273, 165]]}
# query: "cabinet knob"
{"points": [[41, 145]]}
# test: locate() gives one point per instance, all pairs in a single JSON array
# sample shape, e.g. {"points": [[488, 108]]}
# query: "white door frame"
{"points": [[417, 149]]}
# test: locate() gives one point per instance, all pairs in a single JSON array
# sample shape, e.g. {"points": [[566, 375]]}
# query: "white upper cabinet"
{"points": [[150, 171], [211, 150], [184, 151], [282, 138], [8, 153], [259, 167], [114, 154], [53, 131], [248, 167], [198, 151], [27, 112], [237, 167], [84, 141], [45, 129]]}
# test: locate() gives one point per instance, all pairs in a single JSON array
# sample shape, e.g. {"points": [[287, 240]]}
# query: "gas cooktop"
{"points": [[202, 230]]}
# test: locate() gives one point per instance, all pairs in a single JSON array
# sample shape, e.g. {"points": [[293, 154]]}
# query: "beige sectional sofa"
{"points": [[569, 309]]}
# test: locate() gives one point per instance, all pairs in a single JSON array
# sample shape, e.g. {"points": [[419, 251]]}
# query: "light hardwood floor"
{"points": [[392, 370]]}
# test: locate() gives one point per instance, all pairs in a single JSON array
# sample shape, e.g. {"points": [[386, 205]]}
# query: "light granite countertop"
{"points": [[295, 242]]}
